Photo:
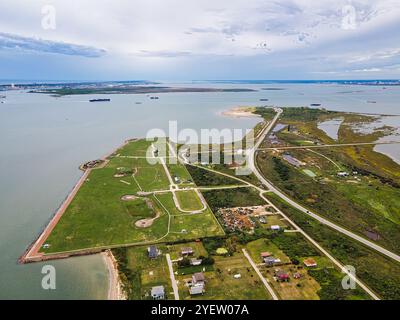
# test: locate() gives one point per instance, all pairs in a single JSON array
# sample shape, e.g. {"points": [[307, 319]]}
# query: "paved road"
{"points": [[331, 145], [271, 187], [264, 281], [172, 276]]}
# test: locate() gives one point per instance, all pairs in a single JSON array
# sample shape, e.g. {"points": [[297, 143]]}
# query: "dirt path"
{"points": [[172, 276]]}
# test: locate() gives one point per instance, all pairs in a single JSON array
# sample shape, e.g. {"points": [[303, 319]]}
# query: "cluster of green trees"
{"points": [[205, 261], [229, 198], [281, 169], [293, 245], [207, 178], [212, 244], [330, 281], [130, 279], [299, 113]]}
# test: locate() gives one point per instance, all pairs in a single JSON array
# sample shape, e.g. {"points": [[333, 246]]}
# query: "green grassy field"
{"points": [[193, 226], [137, 148], [179, 170], [263, 245], [189, 200], [98, 217]]}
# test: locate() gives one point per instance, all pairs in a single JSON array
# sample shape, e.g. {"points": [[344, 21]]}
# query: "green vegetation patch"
{"points": [[330, 281], [381, 274], [189, 200], [139, 273], [230, 198], [105, 209], [194, 226], [365, 205], [294, 245], [207, 178], [221, 284], [136, 148]]}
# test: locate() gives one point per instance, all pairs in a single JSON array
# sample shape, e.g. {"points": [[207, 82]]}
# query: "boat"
{"points": [[264, 99], [154, 98], [371, 101], [99, 100], [315, 104]]}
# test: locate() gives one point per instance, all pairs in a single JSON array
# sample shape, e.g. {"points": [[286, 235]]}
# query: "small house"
{"points": [[196, 289], [269, 261], [198, 277], [275, 228], [342, 174], [265, 254], [158, 293], [187, 251], [153, 252], [237, 276], [310, 262], [177, 180], [195, 262], [282, 276]]}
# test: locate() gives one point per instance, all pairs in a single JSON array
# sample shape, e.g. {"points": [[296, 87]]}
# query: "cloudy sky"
{"points": [[199, 39]]}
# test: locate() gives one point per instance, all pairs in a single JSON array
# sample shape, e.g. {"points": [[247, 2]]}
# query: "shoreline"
{"points": [[240, 112], [115, 289], [32, 252]]}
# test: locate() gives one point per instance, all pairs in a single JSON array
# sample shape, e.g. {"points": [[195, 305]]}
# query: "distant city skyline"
{"points": [[176, 40]]}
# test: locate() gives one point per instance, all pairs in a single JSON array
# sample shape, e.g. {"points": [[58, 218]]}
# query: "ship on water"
{"points": [[99, 100]]}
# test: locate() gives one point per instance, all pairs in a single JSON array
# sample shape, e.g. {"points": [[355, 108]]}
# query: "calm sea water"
{"points": [[44, 139]]}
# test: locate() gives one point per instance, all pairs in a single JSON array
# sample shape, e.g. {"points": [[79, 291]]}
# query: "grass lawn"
{"points": [[189, 200], [168, 202], [97, 217], [383, 199], [179, 170], [195, 226], [175, 249], [263, 245], [152, 178], [304, 288], [152, 272], [275, 220], [221, 285], [136, 148]]}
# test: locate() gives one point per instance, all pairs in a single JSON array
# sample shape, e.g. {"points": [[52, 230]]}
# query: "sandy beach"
{"points": [[115, 291], [240, 112]]}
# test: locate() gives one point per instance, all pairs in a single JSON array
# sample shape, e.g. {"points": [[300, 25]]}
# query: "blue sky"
{"points": [[191, 39]]}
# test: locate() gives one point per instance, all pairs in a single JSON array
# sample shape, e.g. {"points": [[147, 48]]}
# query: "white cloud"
{"points": [[19, 43], [299, 30]]}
